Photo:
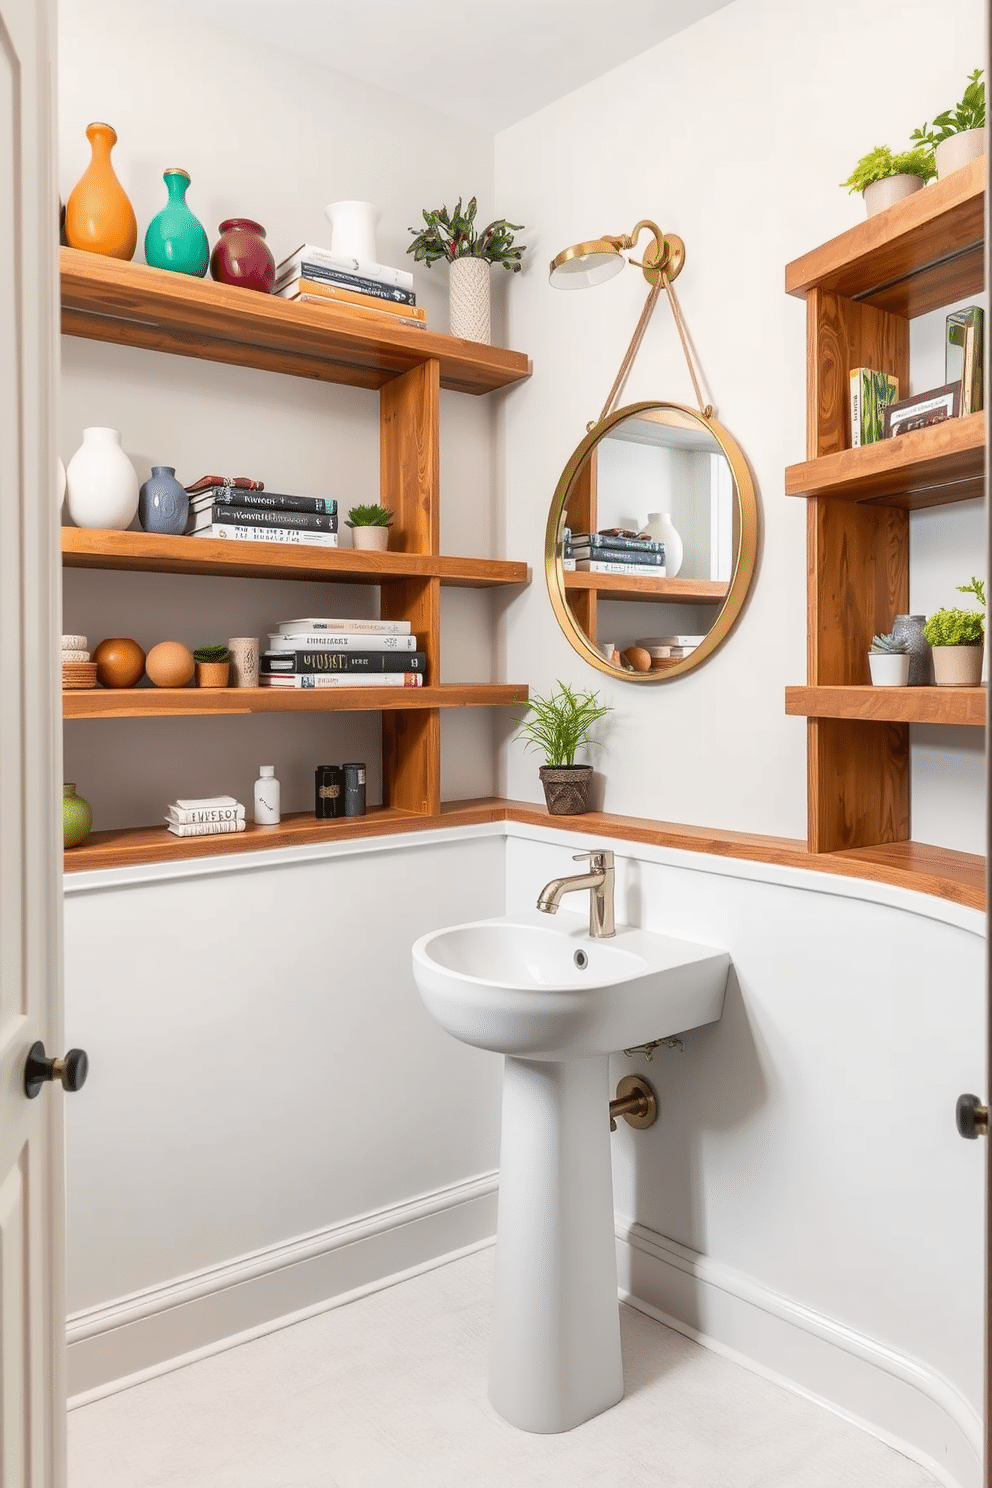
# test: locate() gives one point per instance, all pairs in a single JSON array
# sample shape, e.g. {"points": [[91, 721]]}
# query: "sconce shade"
{"points": [[586, 264]]}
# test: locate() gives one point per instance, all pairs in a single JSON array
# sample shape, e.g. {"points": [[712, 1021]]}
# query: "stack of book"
{"points": [[567, 551], [611, 553], [207, 817], [263, 516], [369, 291], [316, 652]]}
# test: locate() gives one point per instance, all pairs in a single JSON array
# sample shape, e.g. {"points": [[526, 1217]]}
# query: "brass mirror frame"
{"points": [[744, 561]]}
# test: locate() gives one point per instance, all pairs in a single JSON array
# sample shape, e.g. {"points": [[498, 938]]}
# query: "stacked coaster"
{"points": [[77, 670], [207, 817]]}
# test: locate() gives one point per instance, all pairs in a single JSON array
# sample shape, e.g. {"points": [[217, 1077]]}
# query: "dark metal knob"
{"points": [[972, 1117], [70, 1071]]}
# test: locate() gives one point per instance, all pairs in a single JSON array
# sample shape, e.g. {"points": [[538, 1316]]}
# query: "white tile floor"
{"points": [[390, 1392]]}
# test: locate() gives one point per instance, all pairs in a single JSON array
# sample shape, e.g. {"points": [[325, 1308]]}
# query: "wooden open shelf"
{"points": [[922, 253], [662, 591], [947, 705], [192, 702], [147, 552], [928, 467], [957, 877], [105, 299]]}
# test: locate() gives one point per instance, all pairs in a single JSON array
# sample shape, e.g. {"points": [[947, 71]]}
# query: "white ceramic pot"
{"points": [[353, 225], [889, 669], [952, 153], [101, 484], [661, 528], [882, 194], [468, 292], [375, 538], [957, 666]]}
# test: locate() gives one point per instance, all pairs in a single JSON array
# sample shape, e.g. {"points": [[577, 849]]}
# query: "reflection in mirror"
{"points": [[651, 541]]}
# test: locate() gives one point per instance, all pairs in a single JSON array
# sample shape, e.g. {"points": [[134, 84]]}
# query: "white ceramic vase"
{"points": [[60, 485], [882, 194], [889, 669], [375, 539], [957, 666], [468, 292], [353, 225], [101, 483], [661, 528], [957, 150]]}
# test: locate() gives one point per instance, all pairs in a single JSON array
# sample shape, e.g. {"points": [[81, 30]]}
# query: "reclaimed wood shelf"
{"points": [[942, 705], [192, 702], [663, 591], [130, 304], [148, 552], [927, 467], [953, 876], [922, 253]]}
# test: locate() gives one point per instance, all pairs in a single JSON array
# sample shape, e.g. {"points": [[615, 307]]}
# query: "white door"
{"points": [[32, 1308]]}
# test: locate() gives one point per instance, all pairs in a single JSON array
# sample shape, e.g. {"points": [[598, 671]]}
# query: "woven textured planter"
{"points": [[566, 789], [468, 292]]}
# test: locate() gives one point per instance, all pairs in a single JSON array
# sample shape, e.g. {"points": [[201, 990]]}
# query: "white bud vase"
{"points": [[353, 225], [660, 528], [101, 484], [469, 299]]}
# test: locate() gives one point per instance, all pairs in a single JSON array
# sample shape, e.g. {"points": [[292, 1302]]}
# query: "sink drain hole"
{"points": [[581, 960]]}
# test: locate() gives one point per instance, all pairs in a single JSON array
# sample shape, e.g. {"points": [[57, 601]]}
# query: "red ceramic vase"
{"points": [[242, 257]]}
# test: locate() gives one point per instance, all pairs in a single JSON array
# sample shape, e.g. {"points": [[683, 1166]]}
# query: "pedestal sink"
{"points": [[556, 1003]]}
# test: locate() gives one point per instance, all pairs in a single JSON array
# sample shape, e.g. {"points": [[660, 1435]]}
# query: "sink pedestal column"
{"points": [[555, 1354]]}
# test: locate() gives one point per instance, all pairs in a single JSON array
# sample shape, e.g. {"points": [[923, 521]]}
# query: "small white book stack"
{"points": [[207, 817]]}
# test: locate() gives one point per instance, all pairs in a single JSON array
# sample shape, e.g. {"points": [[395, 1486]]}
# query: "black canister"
{"points": [[354, 789], [328, 791]]}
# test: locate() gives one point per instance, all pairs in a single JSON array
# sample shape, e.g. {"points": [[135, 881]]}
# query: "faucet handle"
{"points": [[598, 857]]}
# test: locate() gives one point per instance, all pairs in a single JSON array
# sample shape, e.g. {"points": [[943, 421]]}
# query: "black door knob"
{"points": [[972, 1117], [71, 1071]]}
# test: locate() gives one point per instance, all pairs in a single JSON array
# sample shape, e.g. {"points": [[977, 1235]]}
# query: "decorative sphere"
{"points": [[120, 662], [170, 664], [638, 658]]}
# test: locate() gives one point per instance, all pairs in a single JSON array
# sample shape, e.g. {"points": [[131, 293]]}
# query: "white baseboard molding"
{"points": [[894, 1396], [131, 1339]]}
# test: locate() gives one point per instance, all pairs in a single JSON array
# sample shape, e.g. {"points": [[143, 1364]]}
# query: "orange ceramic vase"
{"points": [[98, 216]]}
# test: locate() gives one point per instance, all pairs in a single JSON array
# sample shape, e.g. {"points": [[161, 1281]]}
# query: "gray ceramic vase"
{"points": [[910, 628], [163, 505]]}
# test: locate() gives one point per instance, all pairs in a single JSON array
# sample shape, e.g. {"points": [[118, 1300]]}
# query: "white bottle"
{"points": [[659, 526], [266, 797]]}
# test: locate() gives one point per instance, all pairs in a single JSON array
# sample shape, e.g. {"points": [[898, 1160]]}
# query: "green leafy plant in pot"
{"points": [[370, 526], [883, 177], [958, 641], [454, 237], [213, 665], [958, 134], [560, 727]]}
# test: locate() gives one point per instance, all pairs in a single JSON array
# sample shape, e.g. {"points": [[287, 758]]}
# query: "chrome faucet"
{"points": [[599, 881]]}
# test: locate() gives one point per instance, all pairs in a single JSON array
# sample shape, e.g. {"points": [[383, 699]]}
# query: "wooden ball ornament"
{"points": [[120, 662], [638, 658], [170, 664]]}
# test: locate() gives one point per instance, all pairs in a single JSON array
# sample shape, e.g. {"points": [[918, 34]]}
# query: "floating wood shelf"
{"points": [[105, 299], [928, 467], [663, 591], [148, 552], [922, 253], [192, 702], [954, 705]]}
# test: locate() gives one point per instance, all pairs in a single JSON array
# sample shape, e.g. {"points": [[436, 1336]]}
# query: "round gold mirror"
{"points": [[651, 541]]}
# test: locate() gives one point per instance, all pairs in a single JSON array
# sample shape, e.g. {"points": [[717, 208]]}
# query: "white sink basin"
{"points": [[541, 988], [557, 1003]]}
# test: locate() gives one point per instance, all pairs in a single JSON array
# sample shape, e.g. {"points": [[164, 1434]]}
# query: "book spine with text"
{"points": [[625, 570], [386, 304], [308, 680], [337, 641], [205, 829], [625, 544], [263, 501], [243, 517], [211, 814], [388, 315], [363, 268], [614, 555], [347, 627], [291, 535], [355, 283], [280, 662]]}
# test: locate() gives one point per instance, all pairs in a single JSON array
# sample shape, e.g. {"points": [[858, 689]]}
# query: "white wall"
{"points": [[733, 134], [268, 135]]}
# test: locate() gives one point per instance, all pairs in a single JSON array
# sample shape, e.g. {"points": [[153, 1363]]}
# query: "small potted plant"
{"points": [[213, 664], [370, 527], [958, 639], [957, 135], [884, 178], [560, 727], [469, 251], [888, 661]]}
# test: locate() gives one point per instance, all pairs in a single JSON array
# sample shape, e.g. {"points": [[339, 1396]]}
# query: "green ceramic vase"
{"points": [[77, 817], [175, 238]]}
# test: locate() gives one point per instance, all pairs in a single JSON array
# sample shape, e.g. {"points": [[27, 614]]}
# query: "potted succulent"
{"points": [[888, 661], [370, 527], [958, 639], [957, 135], [212, 666], [559, 728], [884, 178], [469, 251]]}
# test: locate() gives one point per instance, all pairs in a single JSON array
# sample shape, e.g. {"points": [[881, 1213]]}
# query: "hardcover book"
{"points": [[339, 641], [205, 829], [627, 570], [609, 540], [362, 268], [871, 393], [276, 663], [624, 556], [317, 274], [923, 409], [385, 303], [205, 814], [348, 626], [345, 679], [965, 356], [250, 517], [382, 317], [262, 500], [292, 535]]}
